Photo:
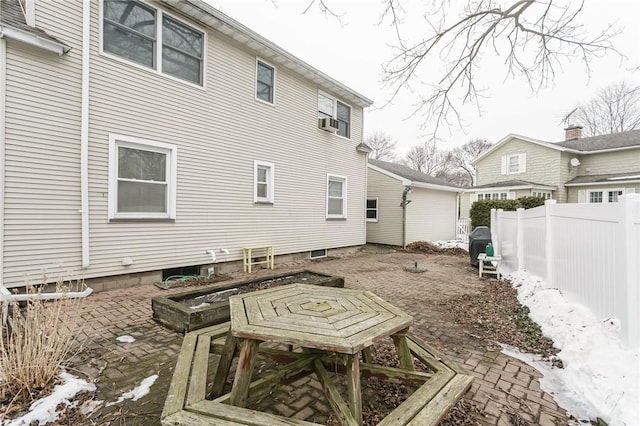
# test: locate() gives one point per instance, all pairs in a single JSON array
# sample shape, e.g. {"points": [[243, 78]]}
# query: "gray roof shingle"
{"points": [[610, 178], [11, 16], [510, 183], [629, 138], [409, 173]]}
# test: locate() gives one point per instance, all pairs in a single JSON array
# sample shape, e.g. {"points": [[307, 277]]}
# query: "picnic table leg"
{"points": [[228, 352], [402, 349], [353, 386], [242, 380]]}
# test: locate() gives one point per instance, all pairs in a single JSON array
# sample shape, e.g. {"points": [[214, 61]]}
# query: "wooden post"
{"points": [[353, 386], [242, 380], [228, 352]]}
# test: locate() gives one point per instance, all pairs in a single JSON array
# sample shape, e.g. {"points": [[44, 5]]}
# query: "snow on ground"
{"points": [[45, 410], [126, 339], [451, 244], [137, 392], [601, 376]]}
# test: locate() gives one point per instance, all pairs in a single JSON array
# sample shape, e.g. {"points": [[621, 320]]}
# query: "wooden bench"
{"points": [[248, 255], [187, 404]]}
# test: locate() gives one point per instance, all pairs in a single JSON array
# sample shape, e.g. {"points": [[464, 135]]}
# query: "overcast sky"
{"points": [[354, 52]]}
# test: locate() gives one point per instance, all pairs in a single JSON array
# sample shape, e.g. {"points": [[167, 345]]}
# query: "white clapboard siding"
{"points": [[219, 131], [388, 190]]}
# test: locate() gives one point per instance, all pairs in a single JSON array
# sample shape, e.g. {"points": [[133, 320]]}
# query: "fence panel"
{"points": [[588, 251], [462, 231]]}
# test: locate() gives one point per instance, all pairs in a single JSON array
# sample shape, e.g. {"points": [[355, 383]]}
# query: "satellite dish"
{"points": [[574, 162]]}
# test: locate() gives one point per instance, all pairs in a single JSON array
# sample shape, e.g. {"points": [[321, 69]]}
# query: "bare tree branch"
{"points": [[535, 38], [383, 146], [614, 109]]}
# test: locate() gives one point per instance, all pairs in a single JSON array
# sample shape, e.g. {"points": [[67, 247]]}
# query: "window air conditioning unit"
{"points": [[329, 124]]}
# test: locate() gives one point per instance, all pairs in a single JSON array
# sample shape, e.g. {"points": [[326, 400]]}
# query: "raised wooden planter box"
{"points": [[187, 403], [180, 312]]}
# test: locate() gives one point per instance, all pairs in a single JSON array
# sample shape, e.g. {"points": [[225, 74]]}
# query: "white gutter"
{"points": [[84, 133], [616, 182], [7, 296], [34, 40], [3, 95]]}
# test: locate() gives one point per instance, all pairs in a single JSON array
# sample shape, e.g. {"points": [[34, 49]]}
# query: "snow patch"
{"points": [[137, 392], [126, 339], [202, 305], [451, 244], [601, 376], [44, 410]]}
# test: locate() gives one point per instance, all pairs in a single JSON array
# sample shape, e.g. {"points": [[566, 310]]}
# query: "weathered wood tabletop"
{"points": [[313, 317]]}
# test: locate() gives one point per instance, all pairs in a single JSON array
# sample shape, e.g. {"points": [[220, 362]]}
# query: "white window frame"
{"points": [[544, 194], [273, 84], [334, 113], [496, 195], [606, 192], [367, 209], [157, 68], [333, 177], [271, 171], [170, 150], [506, 164]]}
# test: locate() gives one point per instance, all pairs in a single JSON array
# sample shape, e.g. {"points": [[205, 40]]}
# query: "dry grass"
{"points": [[35, 342]]}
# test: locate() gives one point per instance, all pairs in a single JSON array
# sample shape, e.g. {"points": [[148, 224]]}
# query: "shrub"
{"points": [[480, 212], [35, 342]]}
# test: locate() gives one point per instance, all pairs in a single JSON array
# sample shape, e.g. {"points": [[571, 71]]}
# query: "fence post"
{"points": [[548, 242], [630, 206], [495, 231], [519, 239]]}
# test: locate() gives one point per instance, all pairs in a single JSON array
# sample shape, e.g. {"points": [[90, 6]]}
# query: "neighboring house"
{"points": [[137, 137], [430, 211], [586, 170]]}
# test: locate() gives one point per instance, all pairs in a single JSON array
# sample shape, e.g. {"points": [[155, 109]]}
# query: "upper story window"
{"points": [[265, 81], [329, 107], [141, 34], [142, 179], [336, 197], [263, 189], [512, 164]]}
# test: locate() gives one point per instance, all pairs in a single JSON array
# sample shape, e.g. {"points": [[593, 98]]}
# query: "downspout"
{"points": [[3, 106], [403, 204], [84, 133]]}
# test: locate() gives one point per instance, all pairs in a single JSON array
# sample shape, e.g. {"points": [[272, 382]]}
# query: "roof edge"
{"points": [[241, 33], [616, 183], [530, 186], [33, 40], [403, 180], [522, 138]]}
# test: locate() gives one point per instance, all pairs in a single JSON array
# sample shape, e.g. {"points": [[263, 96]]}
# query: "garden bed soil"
{"points": [[204, 307]]}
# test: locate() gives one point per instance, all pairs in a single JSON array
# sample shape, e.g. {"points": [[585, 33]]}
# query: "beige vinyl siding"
{"points": [[566, 172], [465, 204], [610, 162], [542, 164], [388, 228], [42, 162], [219, 131], [431, 216]]}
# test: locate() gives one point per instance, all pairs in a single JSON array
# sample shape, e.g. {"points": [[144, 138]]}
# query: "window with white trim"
{"points": [[595, 196], [612, 195], [142, 179], [265, 81], [329, 107], [336, 197], [372, 209], [494, 196], [513, 164], [542, 194], [263, 178], [149, 37]]}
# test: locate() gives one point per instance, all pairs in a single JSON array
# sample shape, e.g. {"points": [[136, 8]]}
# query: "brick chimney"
{"points": [[572, 132]]}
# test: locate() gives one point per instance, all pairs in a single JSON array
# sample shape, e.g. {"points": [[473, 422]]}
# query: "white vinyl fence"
{"points": [[590, 252], [462, 230]]}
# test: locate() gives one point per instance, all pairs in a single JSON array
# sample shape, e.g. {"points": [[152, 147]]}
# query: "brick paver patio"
{"points": [[503, 387]]}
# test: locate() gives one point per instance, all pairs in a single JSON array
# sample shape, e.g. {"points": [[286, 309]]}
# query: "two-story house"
{"points": [[587, 170], [145, 136]]}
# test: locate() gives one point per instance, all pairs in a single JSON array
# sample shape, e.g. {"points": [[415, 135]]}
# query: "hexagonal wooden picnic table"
{"points": [[312, 317], [332, 326]]}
